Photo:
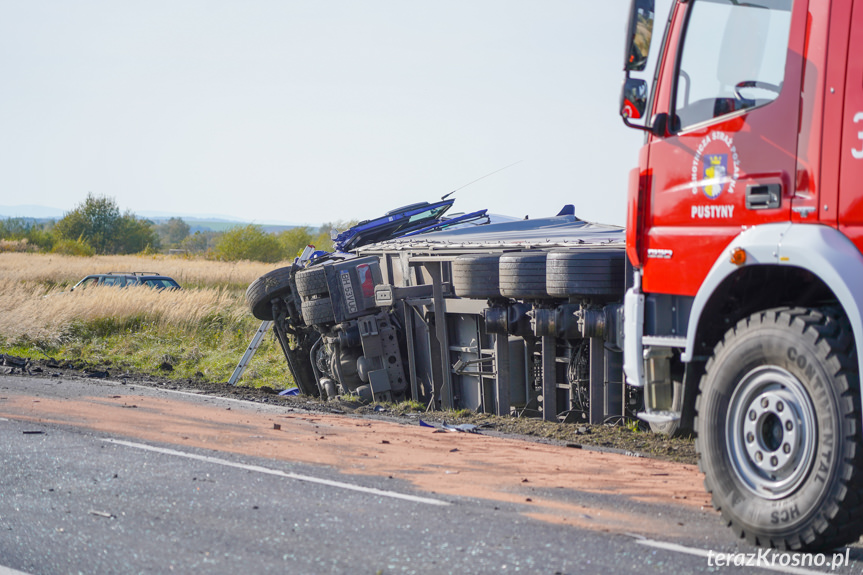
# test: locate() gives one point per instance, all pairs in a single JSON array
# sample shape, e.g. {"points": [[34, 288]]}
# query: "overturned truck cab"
{"points": [[492, 314]]}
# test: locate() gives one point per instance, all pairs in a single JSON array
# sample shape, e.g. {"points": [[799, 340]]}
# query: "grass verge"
{"points": [[199, 332]]}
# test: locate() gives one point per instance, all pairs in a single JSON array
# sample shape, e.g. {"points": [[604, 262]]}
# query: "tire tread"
{"points": [[840, 520]]}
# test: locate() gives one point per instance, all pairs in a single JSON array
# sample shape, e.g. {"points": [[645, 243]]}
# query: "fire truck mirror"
{"points": [[633, 100], [639, 35]]}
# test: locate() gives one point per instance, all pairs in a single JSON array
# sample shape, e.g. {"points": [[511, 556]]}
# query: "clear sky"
{"points": [[307, 111]]}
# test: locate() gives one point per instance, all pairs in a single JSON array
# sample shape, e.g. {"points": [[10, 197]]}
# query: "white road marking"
{"points": [[705, 553], [8, 571], [296, 476]]}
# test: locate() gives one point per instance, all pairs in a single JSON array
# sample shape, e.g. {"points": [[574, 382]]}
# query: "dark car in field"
{"points": [[125, 279]]}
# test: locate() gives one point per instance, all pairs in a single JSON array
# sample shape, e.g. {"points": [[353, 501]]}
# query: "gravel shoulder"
{"points": [[630, 440]]}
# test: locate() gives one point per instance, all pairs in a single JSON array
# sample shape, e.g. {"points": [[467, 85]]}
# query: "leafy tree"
{"points": [[248, 242], [323, 239], [95, 221], [200, 241], [173, 231], [98, 222], [294, 241], [15, 228], [136, 235], [36, 233]]}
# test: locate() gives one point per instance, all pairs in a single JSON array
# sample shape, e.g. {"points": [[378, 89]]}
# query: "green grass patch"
{"points": [[209, 351]]}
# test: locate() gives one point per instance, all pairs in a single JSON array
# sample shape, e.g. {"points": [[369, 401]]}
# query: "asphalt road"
{"points": [[80, 496]]}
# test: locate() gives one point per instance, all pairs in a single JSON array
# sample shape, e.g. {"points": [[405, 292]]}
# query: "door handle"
{"points": [[763, 196]]}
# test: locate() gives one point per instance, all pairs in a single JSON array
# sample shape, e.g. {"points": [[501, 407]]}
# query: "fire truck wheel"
{"points": [[779, 439], [318, 311], [312, 281], [597, 272], [522, 275], [265, 289], [476, 276]]}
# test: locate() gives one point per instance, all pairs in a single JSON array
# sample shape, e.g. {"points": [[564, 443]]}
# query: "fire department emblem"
{"points": [[716, 166], [715, 172]]}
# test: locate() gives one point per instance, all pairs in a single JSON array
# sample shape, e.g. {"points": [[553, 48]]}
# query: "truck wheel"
{"points": [[265, 289], [595, 272], [312, 281], [318, 311], [522, 275], [476, 276], [778, 420]]}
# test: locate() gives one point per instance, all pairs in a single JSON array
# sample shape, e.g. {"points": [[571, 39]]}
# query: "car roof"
{"points": [[138, 276]]}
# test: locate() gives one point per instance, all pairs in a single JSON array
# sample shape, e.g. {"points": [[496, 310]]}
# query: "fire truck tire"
{"points": [[522, 275], [265, 289], [312, 281], [779, 438], [318, 311], [476, 276], [586, 272]]}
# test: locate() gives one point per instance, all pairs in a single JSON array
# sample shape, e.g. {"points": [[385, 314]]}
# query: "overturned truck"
{"points": [[480, 312]]}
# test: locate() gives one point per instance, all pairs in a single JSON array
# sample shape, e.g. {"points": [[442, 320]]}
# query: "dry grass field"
{"points": [[52, 269], [201, 329], [29, 312]]}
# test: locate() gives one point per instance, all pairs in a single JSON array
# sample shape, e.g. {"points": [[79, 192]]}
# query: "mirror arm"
{"points": [[629, 124], [658, 125]]}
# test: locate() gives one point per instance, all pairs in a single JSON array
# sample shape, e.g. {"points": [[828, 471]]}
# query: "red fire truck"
{"points": [[745, 231], [732, 301]]}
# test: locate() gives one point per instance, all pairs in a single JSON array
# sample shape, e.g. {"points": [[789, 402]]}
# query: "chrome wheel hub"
{"points": [[770, 432]]}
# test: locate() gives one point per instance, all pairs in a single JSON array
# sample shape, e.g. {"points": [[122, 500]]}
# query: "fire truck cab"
{"points": [[744, 231]]}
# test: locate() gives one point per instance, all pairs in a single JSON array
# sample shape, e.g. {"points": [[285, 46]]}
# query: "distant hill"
{"points": [[209, 223], [30, 211], [217, 225]]}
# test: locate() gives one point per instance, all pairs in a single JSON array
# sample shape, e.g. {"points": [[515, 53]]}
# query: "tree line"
{"points": [[97, 226]]}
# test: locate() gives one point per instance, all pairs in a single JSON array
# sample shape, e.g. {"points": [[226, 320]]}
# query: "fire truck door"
{"points": [[727, 158]]}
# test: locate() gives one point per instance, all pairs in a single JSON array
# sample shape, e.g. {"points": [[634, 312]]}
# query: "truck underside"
{"points": [[519, 317]]}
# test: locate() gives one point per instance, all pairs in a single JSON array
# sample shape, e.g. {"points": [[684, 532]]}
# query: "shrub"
{"points": [[28, 233], [77, 247], [249, 242], [294, 241], [99, 222]]}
